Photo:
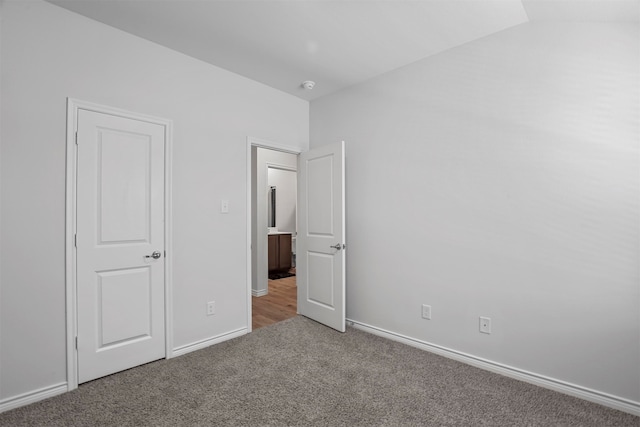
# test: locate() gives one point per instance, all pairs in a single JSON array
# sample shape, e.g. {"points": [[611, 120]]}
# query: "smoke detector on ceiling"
{"points": [[308, 84]]}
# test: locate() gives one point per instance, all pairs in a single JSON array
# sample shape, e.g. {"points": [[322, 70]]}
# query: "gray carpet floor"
{"points": [[300, 373]]}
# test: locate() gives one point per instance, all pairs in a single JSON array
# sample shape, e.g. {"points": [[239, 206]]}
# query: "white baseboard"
{"points": [[54, 390], [32, 396], [184, 349], [259, 293], [604, 399]]}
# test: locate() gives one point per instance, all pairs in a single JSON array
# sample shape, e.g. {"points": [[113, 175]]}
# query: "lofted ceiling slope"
{"points": [[334, 43]]}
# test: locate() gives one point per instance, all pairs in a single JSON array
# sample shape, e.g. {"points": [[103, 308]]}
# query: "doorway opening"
{"points": [[320, 246], [273, 230]]}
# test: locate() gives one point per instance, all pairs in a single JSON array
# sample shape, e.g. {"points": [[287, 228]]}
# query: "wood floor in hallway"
{"points": [[278, 305]]}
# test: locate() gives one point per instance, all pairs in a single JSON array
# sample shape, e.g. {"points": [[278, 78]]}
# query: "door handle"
{"points": [[338, 246], [154, 255]]}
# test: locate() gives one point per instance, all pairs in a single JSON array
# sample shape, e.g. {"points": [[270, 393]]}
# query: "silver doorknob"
{"points": [[154, 255], [337, 246]]}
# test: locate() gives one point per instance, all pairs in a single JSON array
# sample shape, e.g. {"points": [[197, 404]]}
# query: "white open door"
{"points": [[120, 243], [320, 266]]}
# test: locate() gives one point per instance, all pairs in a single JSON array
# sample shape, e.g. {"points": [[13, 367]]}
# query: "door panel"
{"points": [[123, 187], [321, 236], [319, 180], [123, 306], [120, 223], [320, 282]]}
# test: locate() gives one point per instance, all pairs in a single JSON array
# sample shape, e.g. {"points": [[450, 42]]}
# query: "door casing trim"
{"points": [[73, 106]]}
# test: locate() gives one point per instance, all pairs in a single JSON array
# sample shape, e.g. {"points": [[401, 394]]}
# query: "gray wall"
{"points": [[285, 183], [49, 54], [500, 179]]}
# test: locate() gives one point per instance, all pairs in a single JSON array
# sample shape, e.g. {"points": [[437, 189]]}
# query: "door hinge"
{"points": [[76, 343], [75, 240], [76, 137]]}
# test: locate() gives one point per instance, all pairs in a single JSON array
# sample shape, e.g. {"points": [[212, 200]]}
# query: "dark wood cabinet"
{"points": [[279, 252], [274, 244]]}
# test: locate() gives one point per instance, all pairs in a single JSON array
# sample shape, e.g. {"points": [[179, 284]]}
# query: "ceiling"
{"points": [[336, 44]]}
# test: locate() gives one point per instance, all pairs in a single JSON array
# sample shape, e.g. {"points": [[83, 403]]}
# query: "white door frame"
{"points": [[73, 106], [269, 145]]}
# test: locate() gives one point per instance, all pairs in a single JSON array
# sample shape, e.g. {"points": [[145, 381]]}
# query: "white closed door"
{"points": [[120, 243], [320, 266]]}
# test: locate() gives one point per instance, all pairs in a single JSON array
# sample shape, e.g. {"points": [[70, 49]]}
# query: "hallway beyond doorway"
{"points": [[278, 305]]}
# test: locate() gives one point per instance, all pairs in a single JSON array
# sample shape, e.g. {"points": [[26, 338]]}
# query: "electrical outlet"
{"points": [[485, 325], [211, 308], [426, 311]]}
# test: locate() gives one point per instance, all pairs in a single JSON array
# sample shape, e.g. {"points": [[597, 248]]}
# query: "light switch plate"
{"points": [[426, 311]]}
